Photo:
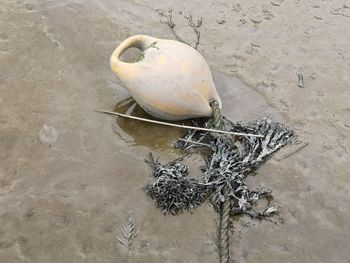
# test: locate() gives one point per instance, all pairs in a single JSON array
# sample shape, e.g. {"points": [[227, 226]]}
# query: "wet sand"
{"points": [[67, 202]]}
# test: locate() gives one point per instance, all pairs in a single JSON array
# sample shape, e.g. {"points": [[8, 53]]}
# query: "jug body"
{"points": [[170, 81]]}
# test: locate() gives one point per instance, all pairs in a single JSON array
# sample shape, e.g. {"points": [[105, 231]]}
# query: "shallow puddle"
{"points": [[141, 133]]}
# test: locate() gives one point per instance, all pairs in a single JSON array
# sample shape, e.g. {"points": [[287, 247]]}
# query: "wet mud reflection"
{"points": [[142, 133]]}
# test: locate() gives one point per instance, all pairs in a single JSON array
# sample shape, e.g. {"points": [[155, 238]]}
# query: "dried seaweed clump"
{"points": [[230, 160], [233, 158], [173, 191]]}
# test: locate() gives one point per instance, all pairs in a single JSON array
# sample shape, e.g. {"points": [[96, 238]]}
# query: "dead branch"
{"points": [[167, 18]]}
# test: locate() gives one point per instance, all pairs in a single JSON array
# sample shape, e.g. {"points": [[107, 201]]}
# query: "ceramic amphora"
{"points": [[170, 80]]}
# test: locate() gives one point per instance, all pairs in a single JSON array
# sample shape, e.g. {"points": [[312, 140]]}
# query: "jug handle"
{"points": [[139, 41]]}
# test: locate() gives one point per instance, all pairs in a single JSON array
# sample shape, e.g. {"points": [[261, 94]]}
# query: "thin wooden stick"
{"points": [[176, 125]]}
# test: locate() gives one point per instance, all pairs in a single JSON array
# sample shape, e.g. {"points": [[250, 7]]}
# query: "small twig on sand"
{"points": [[195, 28], [297, 148], [169, 21], [177, 125], [128, 233], [300, 80], [172, 25]]}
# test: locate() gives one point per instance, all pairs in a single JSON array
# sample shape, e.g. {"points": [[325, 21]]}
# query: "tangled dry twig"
{"points": [[167, 18]]}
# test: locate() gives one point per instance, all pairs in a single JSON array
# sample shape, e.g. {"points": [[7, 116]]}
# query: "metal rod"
{"points": [[176, 125]]}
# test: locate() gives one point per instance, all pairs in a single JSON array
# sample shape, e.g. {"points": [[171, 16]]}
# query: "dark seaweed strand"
{"points": [[225, 204]]}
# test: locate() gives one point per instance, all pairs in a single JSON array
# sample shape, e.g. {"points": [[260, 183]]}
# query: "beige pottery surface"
{"points": [[171, 81]]}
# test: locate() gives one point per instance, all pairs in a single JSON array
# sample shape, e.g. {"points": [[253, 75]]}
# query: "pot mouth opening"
{"points": [[131, 55]]}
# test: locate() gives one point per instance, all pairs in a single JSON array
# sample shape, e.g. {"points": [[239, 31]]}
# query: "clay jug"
{"points": [[170, 80]]}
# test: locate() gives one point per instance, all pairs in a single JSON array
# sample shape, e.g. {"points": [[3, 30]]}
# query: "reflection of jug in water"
{"points": [[170, 80]]}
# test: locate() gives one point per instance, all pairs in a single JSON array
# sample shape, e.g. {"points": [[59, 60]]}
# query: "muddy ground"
{"points": [[66, 202]]}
